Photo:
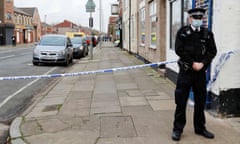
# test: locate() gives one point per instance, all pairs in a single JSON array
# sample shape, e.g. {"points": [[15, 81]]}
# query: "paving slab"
{"points": [[162, 104], [135, 140], [52, 125], [133, 101], [31, 127], [117, 126], [65, 137]]}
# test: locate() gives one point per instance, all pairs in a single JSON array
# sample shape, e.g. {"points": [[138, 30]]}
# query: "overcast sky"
{"points": [[74, 10]]}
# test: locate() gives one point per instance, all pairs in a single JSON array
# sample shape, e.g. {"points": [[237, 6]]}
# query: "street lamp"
{"points": [[100, 23], [90, 7]]}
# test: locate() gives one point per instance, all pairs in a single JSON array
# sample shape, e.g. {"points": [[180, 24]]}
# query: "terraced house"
{"points": [[6, 21], [25, 23], [149, 28]]}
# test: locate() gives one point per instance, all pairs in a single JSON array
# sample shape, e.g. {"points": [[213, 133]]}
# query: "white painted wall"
{"points": [[226, 27], [170, 53], [134, 17], [126, 24]]}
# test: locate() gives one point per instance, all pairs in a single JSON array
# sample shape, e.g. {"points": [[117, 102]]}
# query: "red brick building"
{"points": [[112, 26], [66, 26], [6, 21]]}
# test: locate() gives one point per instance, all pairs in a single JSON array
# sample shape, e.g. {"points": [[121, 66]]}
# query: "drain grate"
{"points": [[52, 108]]}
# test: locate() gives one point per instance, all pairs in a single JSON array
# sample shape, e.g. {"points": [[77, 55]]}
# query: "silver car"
{"points": [[53, 49]]}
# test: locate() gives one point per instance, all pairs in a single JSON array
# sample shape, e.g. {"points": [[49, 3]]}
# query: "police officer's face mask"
{"points": [[197, 22]]}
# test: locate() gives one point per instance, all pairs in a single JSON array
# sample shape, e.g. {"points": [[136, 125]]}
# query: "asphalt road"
{"points": [[17, 95]]}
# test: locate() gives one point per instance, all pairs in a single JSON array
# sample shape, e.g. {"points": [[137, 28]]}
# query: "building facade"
{"points": [[129, 25], [112, 24], [144, 28], [152, 30], [157, 22], [35, 26], [223, 75], [225, 91], [66, 26], [24, 23], [6, 21]]}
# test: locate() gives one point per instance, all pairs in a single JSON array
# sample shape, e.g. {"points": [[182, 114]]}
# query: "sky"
{"points": [[55, 11]]}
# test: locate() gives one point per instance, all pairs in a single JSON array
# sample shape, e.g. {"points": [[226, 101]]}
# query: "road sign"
{"points": [[90, 6]]}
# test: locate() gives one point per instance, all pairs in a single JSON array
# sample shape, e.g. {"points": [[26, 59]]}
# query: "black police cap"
{"points": [[196, 11]]}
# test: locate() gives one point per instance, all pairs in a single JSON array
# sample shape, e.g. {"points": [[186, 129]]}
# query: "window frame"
{"points": [[183, 18], [142, 27], [152, 19]]}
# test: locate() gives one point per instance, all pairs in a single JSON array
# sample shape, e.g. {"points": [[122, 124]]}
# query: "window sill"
{"points": [[153, 47]]}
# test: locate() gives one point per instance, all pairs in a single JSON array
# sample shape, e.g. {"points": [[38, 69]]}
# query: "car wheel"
{"points": [[35, 63], [84, 54]]}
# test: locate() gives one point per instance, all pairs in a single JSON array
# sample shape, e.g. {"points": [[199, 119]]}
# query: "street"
{"points": [[16, 95]]}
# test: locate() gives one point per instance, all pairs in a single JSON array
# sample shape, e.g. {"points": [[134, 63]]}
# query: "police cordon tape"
{"points": [[86, 72], [222, 59], [220, 62]]}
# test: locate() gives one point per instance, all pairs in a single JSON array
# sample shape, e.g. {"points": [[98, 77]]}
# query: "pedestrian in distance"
{"points": [[13, 40], [195, 46]]}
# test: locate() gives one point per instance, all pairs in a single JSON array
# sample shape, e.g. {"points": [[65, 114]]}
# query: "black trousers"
{"points": [[186, 81]]}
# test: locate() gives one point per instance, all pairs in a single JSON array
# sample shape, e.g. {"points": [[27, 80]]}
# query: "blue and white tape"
{"points": [[86, 72], [220, 63]]}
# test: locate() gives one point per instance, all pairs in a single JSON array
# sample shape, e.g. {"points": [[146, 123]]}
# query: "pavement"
{"points": [[123, 107]]}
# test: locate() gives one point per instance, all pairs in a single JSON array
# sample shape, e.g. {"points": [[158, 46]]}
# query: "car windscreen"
{"points": [[76, 40], [52, 41]]}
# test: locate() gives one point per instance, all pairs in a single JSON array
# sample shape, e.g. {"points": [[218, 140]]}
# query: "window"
{"points": [[15, 18], [8, 16], [20, 19], [142, 27], [178, 17], [153, 24]]}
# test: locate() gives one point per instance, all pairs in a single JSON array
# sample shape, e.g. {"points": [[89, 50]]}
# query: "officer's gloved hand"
{"points": [[197, 66]]}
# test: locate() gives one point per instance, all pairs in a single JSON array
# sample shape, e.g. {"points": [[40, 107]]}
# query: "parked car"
{"points": [[53, 49], [80, 49]]}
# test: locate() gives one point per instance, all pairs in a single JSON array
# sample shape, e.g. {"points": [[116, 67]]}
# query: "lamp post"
{"points": [[90, 7], [100, 23]]}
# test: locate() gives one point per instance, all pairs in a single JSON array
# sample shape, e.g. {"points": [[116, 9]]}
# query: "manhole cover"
{"points": [[51, 108], [117, 126]]}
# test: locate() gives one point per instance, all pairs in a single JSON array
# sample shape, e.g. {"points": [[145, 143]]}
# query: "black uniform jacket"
{"points": [[193, 46]]}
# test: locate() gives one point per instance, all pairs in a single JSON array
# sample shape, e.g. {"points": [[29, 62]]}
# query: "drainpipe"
{"points": [[130, 26]]}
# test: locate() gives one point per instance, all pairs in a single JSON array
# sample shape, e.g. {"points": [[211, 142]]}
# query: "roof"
{"points": [[18, 10], [65, 23], [29, 10]]}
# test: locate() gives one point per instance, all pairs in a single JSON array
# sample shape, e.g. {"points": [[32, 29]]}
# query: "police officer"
{"points": [[196, 48]]}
